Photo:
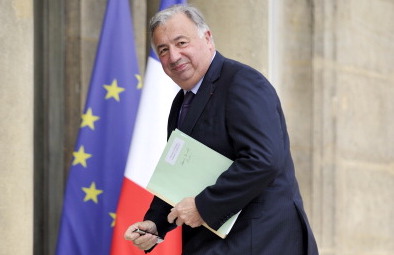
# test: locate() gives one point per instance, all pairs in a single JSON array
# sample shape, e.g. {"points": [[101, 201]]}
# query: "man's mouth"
{"points": [[179, 67]]}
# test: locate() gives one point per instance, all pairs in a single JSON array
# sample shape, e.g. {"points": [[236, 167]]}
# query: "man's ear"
{"points": [[208, 37]]}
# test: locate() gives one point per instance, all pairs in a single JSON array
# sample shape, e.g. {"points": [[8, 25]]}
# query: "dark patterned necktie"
{"points": [[187, 100]]}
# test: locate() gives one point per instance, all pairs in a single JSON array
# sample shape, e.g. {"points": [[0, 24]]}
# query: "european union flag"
{"points": [[101, 151]]}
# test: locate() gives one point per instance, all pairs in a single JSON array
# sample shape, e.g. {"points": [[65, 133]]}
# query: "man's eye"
{"points": [[162, 51], [182, 43]]}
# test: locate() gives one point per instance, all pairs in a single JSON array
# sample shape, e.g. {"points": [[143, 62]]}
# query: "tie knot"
{"points": [[188, 98]]}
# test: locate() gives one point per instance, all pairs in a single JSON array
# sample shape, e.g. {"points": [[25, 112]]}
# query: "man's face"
{"points": [[184, 55]]}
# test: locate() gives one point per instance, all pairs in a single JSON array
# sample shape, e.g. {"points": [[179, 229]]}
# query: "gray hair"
{"points": [[191, 12]]}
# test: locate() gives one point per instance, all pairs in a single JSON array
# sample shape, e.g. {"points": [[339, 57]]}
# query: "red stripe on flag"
{"points": [[134, 201]]}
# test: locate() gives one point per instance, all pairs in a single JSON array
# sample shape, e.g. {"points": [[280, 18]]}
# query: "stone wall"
{"points": [[331, 63], [353, 127], [16, 127], [334, 73], [333, 70]]}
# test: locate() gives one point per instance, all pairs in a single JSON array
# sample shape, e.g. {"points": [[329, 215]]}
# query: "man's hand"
{"points": [[143, 242], [185, 212]]}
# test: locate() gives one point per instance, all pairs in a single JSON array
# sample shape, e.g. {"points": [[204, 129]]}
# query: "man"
{"points": [[236, 112]]}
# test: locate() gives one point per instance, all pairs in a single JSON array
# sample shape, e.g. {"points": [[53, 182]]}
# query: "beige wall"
{"points": [[291, 72], [16, 127], [354, 79], [334, 72], [332, 65], [240, 29]]}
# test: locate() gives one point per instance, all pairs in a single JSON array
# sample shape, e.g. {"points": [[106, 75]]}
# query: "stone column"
{"points": [[332, 66], [290, 61], [16, 127], [353, 155]]}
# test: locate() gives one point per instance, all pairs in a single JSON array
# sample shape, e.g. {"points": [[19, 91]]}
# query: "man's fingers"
{"points": [[130, 235], [172, 216], [179, 221], [145, 242]]}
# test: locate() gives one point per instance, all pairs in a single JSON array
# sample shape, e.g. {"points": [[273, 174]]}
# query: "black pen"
{"points": [[143, 232]]}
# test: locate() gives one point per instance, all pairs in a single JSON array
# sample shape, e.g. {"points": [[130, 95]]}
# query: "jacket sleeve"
{"points": [[157, 213], [255, 126]]}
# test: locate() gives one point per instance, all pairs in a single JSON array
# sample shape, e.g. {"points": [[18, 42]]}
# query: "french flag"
{"points": [[149, 139]]}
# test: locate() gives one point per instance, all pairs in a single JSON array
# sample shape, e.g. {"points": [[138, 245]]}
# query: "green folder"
{"points": [[185, 168]]}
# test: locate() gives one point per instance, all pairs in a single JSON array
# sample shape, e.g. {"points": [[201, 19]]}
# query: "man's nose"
{"points": [[174, 55]]}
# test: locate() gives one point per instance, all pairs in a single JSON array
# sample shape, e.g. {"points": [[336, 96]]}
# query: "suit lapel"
{"points": [[205, 91]]}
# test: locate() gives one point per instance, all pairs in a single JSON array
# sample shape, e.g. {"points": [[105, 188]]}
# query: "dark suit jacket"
{"points": [[237, 112]]}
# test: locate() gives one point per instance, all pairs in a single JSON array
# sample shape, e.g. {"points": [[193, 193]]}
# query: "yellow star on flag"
{"points": [[113, 90], [113, 216], [88, 119], [80, 156], [139, 85], [91, 193]]}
